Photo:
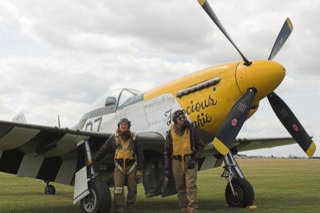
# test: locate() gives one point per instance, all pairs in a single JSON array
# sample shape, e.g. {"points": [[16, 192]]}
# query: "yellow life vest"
{"points": [[124, 150], [181, 144]]}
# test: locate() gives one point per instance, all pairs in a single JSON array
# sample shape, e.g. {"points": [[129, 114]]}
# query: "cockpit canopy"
{"points": [[118, 99]]}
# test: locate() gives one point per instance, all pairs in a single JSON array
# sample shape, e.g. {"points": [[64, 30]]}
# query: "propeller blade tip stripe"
{"points": [[289, 24], [311, 149], [201, 2], [220, 147]]}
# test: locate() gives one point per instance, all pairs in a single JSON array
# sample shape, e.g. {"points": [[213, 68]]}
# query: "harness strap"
{"points": [[124, 169]]}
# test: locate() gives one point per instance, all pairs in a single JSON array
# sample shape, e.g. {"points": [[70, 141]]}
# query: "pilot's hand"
{"points": [[139, 174], [191, 164], [90, 162]]}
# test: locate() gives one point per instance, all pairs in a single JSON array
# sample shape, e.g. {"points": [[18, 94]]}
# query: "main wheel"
{"points": [[243, 193], [49, 190], [106, 207], [99, 199]]}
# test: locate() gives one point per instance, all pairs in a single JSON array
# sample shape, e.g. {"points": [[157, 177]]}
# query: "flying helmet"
{"points": [[176, 114], [126, 120]]}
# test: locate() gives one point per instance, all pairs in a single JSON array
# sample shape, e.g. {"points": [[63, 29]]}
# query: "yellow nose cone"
{"points": [[263, 75]]}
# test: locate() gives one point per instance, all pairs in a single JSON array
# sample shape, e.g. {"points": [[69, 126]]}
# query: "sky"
{"points": [[58, 57]]}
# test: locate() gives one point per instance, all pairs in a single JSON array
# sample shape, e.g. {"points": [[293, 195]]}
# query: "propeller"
{"points": [[283, 112], [292, 124], [233, 122], [239, 112], [206, 6], [281, 39]]}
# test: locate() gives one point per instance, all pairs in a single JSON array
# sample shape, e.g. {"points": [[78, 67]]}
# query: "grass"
{"points": [[281, 185]]}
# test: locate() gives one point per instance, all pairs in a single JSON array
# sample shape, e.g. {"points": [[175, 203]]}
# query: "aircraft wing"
{"points": [[261, 143], [49, 153], [211, 157], [252, 144], [42, 152]]}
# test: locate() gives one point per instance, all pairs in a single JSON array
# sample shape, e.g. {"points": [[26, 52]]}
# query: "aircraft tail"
{"points": [[20, 118]]}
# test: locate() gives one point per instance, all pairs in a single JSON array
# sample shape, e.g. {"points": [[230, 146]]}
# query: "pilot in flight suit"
{"points": [[182, 150], [129, 163]]}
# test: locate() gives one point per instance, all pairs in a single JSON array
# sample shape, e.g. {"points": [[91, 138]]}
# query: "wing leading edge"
{"points": [[211, 158], [261, 143], [252, 144]]}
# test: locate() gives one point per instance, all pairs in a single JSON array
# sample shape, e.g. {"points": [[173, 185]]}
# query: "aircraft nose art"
{"points": [[263, 75]]}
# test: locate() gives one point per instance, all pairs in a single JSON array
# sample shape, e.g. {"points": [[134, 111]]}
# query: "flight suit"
{"points": [[128, 159], [179, 150], [125, 167]]}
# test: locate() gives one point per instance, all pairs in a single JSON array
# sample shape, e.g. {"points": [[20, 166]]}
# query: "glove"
{"points": [[191, 164], [138, 174], [90, 162]]}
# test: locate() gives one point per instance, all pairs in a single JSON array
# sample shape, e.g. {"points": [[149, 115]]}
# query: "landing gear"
{"points": [[99, 199], [243, 193], [49, 189], [239, 192]]}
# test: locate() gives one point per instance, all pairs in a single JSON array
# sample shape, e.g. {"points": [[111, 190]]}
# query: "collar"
{"points": [[178, 130]]}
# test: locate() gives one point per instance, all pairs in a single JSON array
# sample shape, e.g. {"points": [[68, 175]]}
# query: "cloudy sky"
{"points": [[58, 57]]}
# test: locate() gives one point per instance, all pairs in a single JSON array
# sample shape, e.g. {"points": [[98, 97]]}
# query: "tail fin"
{"points": [[20, 118]]}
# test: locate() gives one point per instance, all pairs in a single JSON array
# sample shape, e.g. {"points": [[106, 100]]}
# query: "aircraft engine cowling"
{"points": [[265, 76]]}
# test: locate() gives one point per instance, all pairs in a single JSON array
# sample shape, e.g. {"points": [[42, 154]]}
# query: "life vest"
{"points": [[181, 145], [125, 158]]}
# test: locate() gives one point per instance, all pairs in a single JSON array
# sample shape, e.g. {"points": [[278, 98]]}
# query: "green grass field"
{"points": [[281, 185]]}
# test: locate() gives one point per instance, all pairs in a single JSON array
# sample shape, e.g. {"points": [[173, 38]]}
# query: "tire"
{"points": [[96, 200], [106, 207], [50, 190], [244, 194]]}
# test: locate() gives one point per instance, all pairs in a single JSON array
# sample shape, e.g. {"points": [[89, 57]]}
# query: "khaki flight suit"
{"points": [[125, 167], [185, 179]]}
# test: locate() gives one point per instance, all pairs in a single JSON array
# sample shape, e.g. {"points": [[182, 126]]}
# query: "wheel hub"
{"points": [[90, 201], [237, 196]]}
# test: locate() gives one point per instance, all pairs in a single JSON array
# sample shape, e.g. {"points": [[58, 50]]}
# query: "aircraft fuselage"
{"points": [[206, 96]]}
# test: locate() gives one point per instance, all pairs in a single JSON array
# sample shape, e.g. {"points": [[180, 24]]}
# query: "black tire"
{"points": [[244, 194], [106, 207], [50, 190], [95, 201]]}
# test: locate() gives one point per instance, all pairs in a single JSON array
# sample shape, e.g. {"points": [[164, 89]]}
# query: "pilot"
{"points": [[129, 163], [182, 150]]}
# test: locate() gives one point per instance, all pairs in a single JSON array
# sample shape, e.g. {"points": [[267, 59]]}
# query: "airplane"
{"points": [[218, 100]]}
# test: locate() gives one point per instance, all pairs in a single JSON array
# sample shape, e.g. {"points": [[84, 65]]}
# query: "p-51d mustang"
{"points": [[217, 100]]}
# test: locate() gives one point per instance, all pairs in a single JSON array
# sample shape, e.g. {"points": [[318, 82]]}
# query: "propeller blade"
{"points": [[281, 39], [233, 122], [291, 123], [205, 5]]}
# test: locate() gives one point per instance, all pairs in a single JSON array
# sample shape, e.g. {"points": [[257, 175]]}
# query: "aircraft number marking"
{"points": [[95, 123]]}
